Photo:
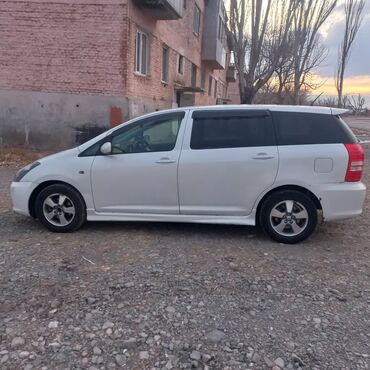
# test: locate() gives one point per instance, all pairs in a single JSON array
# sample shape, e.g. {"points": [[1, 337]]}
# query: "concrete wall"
{"points": [[54, 120]]}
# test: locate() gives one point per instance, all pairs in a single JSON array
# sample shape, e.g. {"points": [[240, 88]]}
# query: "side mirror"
{"points": [[106, 148]]}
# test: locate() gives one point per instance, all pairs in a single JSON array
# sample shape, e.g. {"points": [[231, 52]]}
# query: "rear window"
{"points": [[231, 132], [309, 128]]}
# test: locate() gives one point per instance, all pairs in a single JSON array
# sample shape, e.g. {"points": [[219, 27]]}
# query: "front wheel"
{"points": [[288, 216], [60, 208]]}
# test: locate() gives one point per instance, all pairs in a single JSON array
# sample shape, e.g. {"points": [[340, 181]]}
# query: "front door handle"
{"points": [[263, 156], [165, 160]]}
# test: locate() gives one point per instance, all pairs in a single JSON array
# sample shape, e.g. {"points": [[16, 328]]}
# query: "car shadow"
{"points": [[172, 228]]}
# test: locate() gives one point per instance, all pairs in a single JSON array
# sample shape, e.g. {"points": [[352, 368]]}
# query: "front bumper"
{"points": [[20, 194], [342, 200]]}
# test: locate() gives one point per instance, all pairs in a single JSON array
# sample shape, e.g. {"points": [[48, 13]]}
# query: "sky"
{"points": [[357, 75]]}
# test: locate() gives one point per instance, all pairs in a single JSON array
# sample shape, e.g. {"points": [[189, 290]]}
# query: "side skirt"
{"points": [[249, 220]]}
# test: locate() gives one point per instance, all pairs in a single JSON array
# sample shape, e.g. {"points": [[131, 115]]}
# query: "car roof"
{"points": [[269, 107], [275, 108]]}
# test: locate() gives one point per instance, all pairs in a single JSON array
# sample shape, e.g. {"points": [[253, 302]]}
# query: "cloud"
{"points": [[359, 62]]}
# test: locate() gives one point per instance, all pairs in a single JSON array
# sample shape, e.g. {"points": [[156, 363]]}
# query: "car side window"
{"points": [[294, 128], [231, 132], [150, 135]]}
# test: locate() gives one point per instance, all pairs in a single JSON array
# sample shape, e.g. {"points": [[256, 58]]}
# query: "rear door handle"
{"points": [[165, 160], [263, 156]]}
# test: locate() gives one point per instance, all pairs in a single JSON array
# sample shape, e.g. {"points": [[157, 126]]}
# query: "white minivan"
{"points": [[272, 166]]}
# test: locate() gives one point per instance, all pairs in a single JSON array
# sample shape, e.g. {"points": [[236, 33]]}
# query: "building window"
{"points": [[210, 86], [193, 75], [196, 20], [180, 66], [215, 93], [184, 3], [224, 91], [221, 90], [165, 63], [141, 53], [221, 30], [203, 80]]}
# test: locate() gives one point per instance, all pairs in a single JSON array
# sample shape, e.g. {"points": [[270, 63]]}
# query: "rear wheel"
{"points": [[288, 216], [60, 208]]}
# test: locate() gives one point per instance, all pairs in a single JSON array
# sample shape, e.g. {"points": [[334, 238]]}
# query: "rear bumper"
{"points": [[20, 194], [342, 200]]}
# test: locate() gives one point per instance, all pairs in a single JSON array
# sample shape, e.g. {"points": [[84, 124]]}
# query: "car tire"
{"points": [[288, 216], [60, 208]]}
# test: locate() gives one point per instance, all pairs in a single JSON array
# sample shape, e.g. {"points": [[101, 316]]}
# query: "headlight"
{"points": [[24, 171]]}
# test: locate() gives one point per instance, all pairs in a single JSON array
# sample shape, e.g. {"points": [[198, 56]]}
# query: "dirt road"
{"points": [[176, 296]]}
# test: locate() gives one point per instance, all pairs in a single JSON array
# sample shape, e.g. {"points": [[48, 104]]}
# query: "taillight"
{"points": [[355, 162]]}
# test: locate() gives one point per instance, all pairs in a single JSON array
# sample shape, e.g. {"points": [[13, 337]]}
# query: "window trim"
{"points": [[180, 64], [138, 66], [165, 78], [233, 113], [197, 15]]}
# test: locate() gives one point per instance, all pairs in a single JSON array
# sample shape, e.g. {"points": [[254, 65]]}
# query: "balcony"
{"points": [[163, 9], [214, 38], [214, 54], [231, 74]]}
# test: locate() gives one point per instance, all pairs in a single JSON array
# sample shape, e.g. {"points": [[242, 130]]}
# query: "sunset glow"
{"points": [[352, 85]]}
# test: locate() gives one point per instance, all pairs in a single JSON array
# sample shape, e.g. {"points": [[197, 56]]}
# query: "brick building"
{"points": [[233, 92], [72, 68]]}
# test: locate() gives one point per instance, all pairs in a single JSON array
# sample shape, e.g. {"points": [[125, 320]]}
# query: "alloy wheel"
{"points": [[59, 209], [289, 218]]}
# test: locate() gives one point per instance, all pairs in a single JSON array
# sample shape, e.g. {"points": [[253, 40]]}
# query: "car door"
{"points": [[228, 159], [140, 175]]}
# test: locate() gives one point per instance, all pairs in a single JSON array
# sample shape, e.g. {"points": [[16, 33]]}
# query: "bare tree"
{"points": [[345, 101], [357, 105], [284, 73], [308, 52], [239, 41], [259, 35], [353, 17]]}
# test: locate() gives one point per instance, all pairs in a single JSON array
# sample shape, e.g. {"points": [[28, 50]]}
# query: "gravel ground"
{"points": [[175, 296]]}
